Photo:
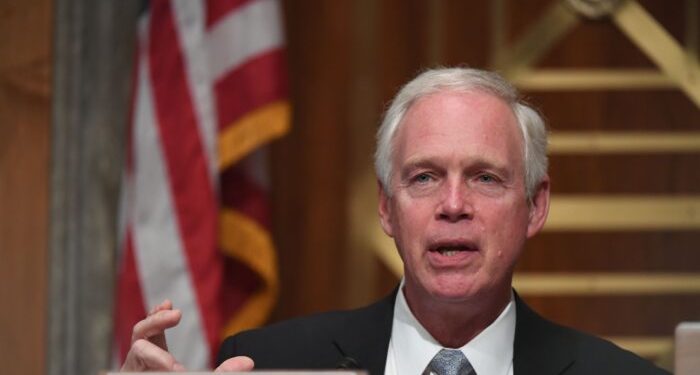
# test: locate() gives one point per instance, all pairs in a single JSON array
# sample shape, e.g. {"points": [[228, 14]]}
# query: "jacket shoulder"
{"points": [[596, 355], [305, 342], [542, 344], [318, 341]]}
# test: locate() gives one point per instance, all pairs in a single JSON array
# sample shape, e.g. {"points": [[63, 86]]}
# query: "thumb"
{"points": [[240, 363]]}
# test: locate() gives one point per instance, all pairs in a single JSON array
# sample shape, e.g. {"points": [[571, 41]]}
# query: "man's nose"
{"points": [[455, 202]]}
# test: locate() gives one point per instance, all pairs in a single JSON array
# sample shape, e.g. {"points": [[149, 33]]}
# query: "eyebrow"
{"points": [[418, 164]]}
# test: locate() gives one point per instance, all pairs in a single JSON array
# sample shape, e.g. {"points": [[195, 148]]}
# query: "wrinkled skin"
{"points": [[458, 210]]}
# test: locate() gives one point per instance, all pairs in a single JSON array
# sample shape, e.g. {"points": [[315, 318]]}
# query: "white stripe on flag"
{"points": [[190, 21], [242, 34], [160, 257]]}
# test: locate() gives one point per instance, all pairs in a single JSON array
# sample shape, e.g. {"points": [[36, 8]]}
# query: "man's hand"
{"points": [[236, 364], [149, 351]]}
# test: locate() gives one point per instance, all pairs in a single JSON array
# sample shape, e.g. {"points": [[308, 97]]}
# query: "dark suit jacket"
{"points": [[322, 341]]}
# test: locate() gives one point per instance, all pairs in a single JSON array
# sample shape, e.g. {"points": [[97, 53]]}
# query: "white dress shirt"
{"points": [[411, 347]]}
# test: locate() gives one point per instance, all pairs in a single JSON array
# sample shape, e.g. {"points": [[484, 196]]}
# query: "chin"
{"points": [[451, 289]]}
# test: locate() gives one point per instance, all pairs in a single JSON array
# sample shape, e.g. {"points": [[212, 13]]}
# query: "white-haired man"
{"points": [[462, 169]]}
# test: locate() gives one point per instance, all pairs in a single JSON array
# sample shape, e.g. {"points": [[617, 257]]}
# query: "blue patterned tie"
{"points": [[449, 362]]}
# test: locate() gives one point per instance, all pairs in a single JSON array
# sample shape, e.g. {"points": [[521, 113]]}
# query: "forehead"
{"points": [[465, 124]]}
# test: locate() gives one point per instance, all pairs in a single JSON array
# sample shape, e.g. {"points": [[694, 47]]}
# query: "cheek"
{"points": [[410, 225], [505, 229], [511, 213], [509, 247], [410, 214]]}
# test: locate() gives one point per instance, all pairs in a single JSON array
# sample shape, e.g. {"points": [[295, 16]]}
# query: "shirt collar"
{"points": [[490, 352]]}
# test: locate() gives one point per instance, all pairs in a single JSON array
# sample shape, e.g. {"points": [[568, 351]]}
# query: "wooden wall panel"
{"points": [[613, 252], [648, 110], [621, 174], [309, 180], [24, 179], [621, 315], [466, 25], [636, 315]]}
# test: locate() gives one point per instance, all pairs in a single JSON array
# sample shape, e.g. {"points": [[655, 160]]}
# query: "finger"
{"points": [[145, 356], [158, 338], [153, 326], [165, 305], [241, 363]]}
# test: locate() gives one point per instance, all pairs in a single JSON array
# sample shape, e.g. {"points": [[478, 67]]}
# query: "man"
{"points": [[462, 171]]}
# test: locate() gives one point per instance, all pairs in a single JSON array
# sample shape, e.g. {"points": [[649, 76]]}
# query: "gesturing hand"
{"points": [[149, 350]]}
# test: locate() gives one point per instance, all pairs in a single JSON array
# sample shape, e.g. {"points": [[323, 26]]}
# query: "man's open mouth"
{"points": [[451, 249]]}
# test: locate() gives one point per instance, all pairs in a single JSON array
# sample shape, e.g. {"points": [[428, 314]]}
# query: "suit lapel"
{"points": [[365, 337], [540, 347]]}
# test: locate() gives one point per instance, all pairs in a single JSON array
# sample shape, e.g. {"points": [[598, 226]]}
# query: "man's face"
{"points": [[458, 210]]}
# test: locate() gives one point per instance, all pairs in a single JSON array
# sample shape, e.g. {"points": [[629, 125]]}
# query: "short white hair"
{"points": [[532, 125]]}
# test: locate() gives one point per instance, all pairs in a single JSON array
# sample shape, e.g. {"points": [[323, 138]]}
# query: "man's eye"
{"points": [[487, 178], [422, 178]]}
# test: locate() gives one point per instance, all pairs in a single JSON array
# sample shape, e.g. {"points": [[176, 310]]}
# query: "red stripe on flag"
{"points": [[129, 309], [259, 81], [217, 9], [240, 282], [240, 192], [193, 195]]}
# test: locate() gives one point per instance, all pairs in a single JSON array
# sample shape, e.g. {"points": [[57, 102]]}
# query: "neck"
{"points": [[454, 323]]}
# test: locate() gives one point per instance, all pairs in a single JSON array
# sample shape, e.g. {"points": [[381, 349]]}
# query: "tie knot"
{"points": [[449, 362]]}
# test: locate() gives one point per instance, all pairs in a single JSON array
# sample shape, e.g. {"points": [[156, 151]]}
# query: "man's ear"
{"points": [[539, 208], [385, 210]]}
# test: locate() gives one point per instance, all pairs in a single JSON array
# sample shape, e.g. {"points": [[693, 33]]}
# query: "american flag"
{"points": [[209, 91]]}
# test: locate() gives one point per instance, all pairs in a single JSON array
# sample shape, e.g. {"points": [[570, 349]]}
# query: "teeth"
{"points": [[452, 250], [448, 253]]}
